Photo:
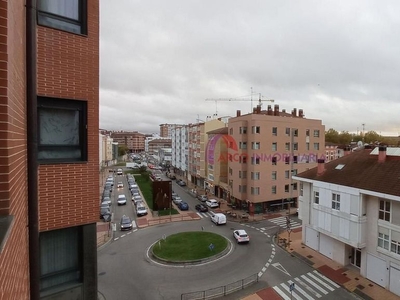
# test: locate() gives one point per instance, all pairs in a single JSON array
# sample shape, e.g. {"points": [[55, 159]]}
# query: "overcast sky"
{"points": [[339, 61]]}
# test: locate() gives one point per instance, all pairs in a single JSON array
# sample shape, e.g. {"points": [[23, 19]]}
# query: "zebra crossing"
{"points": [[204, 214], [281, 221], [312, 285]]}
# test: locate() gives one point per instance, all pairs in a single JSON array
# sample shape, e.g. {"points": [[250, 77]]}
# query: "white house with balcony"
{"points": [[350, 209]]}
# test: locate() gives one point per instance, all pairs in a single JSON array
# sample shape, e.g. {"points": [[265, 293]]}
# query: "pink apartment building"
{"points": [[265, 148]]}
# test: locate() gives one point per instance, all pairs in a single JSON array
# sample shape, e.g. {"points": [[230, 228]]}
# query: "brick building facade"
{"points": [[66, 83]]}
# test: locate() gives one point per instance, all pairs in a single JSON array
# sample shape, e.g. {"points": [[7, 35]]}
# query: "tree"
{"points": [[372, 137], [332, 136], [122, 150], [345, 138]]}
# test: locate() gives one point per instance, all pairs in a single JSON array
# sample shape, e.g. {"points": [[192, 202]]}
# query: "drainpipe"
{"points": [[32, 136]]}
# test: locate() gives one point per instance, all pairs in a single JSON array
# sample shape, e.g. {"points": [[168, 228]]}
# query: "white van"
{"points": [[218, 218], [120, 172]]}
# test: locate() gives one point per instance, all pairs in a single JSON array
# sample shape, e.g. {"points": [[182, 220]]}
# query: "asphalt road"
{"points": [[126, 271]]}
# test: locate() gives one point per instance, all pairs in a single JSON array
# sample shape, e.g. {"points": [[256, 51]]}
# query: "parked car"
{"points": [[105, 204], [173, 177], [241, 236], [125, 223], [106, 193], [107, 199], [182, 183], [201, 208], [136, 199], [212, 203], [120, 172], [104, 211], [108, 186], [177, 200], [202, 198], [121, 200], [183, 205], [120, 184], [141, 210]]}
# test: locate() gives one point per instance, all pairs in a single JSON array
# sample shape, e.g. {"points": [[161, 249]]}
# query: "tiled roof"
{"points": [[361, 170]]}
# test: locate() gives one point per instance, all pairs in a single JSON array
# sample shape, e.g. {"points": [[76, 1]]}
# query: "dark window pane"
{"points": [[65, 8], [381, 215]]}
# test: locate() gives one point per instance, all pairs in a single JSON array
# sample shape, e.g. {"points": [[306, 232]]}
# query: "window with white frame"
{"points": [[316, 133], [230, 131], [384, 210], [274, 131], [273, 189], [243, 174], [287, 131], [287, 146], [335, 201], [295, 146], [274, 175], [243, 159], [255, 145], [287, 174], [307, 132], [255, 175], [274, 147], [242, 145], [255, 129], [255, 190], [255, 160], [383, 238], [274, 160], [316, 146], [295, 132], [307, 146], [243, 130], [316, 197]]}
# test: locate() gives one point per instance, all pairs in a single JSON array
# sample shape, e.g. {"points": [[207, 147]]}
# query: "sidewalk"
{"points": [[346, 276]]}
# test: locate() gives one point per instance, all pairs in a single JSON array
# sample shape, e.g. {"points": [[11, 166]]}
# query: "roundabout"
{"points": [[195, 247], [128, 270]]}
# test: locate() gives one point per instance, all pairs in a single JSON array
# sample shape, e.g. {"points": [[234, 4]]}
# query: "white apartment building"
{"points": [[179, 154], [350, 209]]}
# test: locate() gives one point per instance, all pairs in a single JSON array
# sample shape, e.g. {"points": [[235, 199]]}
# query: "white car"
{"points": [[120, 184], [177, 200], [241, 236], [212, 203], [121, 200], [141, 210]]}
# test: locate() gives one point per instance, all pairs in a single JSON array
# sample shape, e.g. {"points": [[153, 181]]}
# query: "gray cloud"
{"points": [[338, 61]]}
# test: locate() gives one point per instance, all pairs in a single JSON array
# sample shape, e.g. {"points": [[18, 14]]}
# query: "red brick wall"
{"points": [[68, 67], [14, 264]]}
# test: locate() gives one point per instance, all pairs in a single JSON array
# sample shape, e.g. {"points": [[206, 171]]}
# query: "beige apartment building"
{"points": [[265, 148], [216, 180], [157, 144], [197, 140], [134, 141]]}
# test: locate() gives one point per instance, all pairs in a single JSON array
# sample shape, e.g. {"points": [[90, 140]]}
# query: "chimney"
{"points": [[276, 110], [238, 113], [283, 110], [301, 113], [346, 151], [294, 112], [258, 109], [254, 110], [382, 154], [321, 166], [269, 110]]}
